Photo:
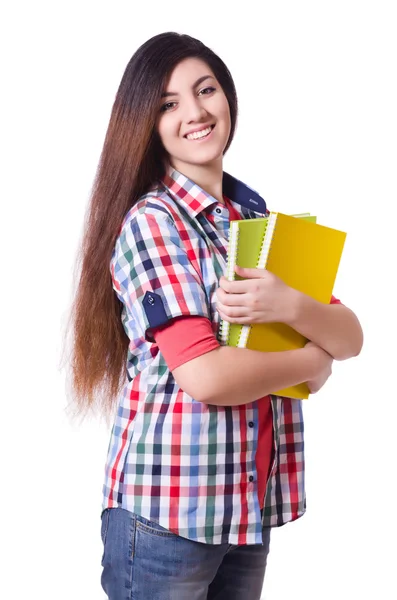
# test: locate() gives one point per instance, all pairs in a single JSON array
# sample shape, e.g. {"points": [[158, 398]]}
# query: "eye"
{"points": [[167, 106], [207, 90]]}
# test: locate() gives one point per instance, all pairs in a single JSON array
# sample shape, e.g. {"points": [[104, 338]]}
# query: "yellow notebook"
{"points": [[303, 254]]}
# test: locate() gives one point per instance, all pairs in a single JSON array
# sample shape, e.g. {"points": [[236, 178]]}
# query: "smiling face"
{"points": [[194, 119]]}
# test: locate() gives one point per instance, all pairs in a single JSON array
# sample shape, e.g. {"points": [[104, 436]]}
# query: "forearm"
{"points": [[232, 376], [333, 327]]}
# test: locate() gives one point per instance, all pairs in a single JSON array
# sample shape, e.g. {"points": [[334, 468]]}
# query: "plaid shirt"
{"points": [[187, 465]]}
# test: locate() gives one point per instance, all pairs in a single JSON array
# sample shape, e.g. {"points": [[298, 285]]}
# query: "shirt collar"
{"points": [[194, 199]]}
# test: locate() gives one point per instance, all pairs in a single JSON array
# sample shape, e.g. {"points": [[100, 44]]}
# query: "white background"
{"points": [[317, 132]]}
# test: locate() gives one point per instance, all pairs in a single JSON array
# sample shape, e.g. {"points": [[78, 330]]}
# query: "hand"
{"points": [[261, 297], [324, 368]]}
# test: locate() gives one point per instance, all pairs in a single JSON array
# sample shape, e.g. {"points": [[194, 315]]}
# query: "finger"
{"points": [[236, 320], [233, 312], [250, 273], [241, 300], [224, 283], [234, 287], [312, 387]]}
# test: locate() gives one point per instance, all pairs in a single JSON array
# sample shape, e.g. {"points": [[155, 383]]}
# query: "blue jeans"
{"points": [[143, 561]]}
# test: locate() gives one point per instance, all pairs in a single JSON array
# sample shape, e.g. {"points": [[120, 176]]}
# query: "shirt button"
{"points": [[251, 423], [218, 210], [251, 478]]}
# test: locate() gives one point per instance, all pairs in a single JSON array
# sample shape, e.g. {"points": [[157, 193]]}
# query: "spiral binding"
{"points": [[267, 240], [262, 260], [230, 274]]}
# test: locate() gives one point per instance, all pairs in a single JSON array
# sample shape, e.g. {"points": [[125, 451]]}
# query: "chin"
{"points": [[203, 158]]}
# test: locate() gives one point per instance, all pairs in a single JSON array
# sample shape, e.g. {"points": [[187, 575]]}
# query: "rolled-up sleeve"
{"points": [[153, 275]]}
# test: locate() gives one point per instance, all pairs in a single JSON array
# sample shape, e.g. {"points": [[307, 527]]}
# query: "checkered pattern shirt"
{"points": [[187, 465]]}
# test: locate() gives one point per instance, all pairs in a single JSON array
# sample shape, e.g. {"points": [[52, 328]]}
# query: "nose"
{"points": [[194, 110]]}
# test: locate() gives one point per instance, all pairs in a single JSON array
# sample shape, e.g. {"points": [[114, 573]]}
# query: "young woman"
{"points": [[202, 460]]}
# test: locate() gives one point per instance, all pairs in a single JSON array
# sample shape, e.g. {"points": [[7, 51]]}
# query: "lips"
{"points": [[195, 134]]}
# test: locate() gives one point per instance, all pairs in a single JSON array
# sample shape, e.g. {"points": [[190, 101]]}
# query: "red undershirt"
{"points": [[186, 338]]}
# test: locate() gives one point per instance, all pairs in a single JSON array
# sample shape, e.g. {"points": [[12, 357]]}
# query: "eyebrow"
{"points": [[199, 80]]}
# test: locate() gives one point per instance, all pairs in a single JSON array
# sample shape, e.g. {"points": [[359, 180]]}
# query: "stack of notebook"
{"points": [[304, 254]]}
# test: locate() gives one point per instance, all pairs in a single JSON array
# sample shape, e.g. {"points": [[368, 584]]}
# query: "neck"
{"points": [[208, 177]]}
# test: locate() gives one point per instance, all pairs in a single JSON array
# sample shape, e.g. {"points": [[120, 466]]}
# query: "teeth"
{"points": [[199, 134]]}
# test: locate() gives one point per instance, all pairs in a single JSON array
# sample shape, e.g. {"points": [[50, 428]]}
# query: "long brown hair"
{"points": [[131, 161]]}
